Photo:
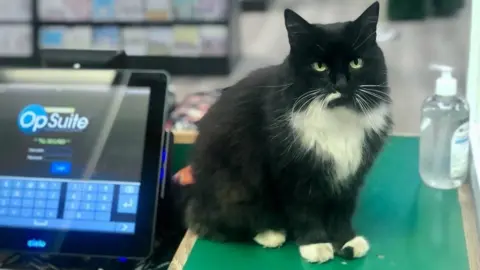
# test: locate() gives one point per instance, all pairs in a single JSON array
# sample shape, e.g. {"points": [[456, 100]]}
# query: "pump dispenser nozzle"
{"points": [[446, 84]]}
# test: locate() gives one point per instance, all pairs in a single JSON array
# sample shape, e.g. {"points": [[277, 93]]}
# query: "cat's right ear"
{"points": [[297, 27]]}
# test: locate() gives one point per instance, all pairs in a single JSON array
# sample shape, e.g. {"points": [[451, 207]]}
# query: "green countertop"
{"points": [[409, 226]]}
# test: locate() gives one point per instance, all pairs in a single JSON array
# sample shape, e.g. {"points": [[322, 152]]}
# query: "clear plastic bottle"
{"points": [[444, 141]]}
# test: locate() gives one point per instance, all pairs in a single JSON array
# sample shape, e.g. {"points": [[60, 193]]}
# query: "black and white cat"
{"points": [[285, 150]]}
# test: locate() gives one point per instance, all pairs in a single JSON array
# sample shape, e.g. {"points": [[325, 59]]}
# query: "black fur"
{"points": [[250, 176]]}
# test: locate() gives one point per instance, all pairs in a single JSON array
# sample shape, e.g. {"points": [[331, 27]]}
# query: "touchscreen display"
{"points": [[71, 158]]}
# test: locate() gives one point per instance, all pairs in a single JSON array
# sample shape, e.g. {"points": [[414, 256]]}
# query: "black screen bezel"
{"points": [[138, 245]]}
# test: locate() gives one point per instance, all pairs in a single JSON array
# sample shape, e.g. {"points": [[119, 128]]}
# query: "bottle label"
{"points": [[459, 152]]}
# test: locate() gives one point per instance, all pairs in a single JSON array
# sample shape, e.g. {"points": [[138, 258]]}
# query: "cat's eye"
{"points": [[357, 63], [319, 67]]}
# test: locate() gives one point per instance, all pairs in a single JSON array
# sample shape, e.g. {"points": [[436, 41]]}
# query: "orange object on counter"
{"points": [[184, 176]]}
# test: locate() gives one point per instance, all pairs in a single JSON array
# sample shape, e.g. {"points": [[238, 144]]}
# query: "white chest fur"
{"points": [[337, 134]]}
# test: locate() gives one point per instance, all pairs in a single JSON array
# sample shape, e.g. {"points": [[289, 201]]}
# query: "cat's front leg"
{"points": [[310, 235], [345, 241]]}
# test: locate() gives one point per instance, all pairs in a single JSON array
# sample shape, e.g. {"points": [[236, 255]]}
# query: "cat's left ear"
{"points": [[367, 22], [297, 28]]}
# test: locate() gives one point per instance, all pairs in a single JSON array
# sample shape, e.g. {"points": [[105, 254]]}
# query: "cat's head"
{"points": [[337, 64]]}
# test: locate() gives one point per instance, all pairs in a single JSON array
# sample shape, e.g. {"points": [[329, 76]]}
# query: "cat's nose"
{"points": [[341, 83]]}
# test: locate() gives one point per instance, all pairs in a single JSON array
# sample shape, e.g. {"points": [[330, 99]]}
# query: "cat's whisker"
{"points": [[308, 101], [383, 86], [375, 85], [302, 98], [279, 120], [370, 119], [362, 107], [388, 101], [384, 98], [275, 86], [380, 89], [306, 97], [376, 91], [319, 97], [366, 110]]}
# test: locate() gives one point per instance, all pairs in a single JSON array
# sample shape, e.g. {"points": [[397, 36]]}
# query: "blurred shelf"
{"points": [[256, 5], [133, 23], [209, 38]]}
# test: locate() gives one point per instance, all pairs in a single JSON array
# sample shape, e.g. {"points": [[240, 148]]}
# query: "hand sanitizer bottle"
{"points": [[444, 141]]}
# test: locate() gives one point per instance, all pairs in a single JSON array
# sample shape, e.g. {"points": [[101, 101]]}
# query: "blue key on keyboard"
{"points": [[106, 188], [16, 202], [27, 203], [18, 184], [74, 195], [4, 202], [29, 194], [17, 193], [90, 196], [5, 193], [84, 215], [102, 216], [38, 213], [125, 227], [52, 204], [14, 212], [87, 206], [129, 189], [40, 204], [51, 214], [6, 184], [105, 197], [54, 185], [72, 206], [103, 207], [90, 187], [41, 194], [30, 185], [75, 187], [53, 195], [42, 185], [26, 212], [78, 215], [127, 204], [69, 215]]}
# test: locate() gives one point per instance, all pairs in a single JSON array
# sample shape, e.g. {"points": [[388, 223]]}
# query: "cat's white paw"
{"points": [[356, 248], [270, 239], [317, 253]]}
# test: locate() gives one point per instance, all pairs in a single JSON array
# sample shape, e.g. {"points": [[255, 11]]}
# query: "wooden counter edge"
{"points": [[467, 207], [184, 137], [183, 251], [464, 196]]}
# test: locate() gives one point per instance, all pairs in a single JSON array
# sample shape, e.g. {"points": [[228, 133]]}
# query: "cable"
{"points": [[10, 259], [37, 262], [148, 264], [162, 266]]}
